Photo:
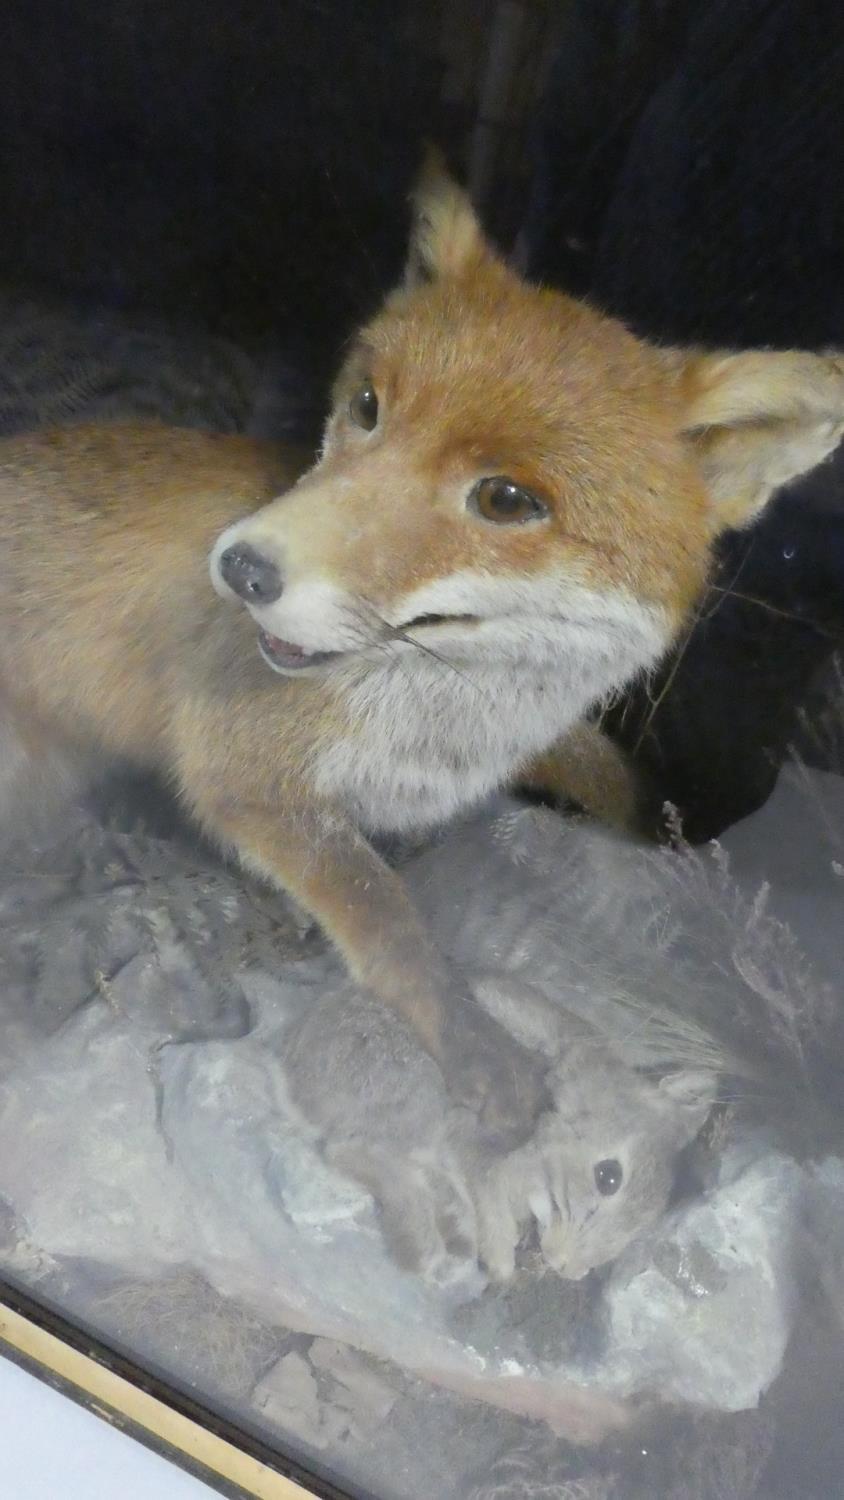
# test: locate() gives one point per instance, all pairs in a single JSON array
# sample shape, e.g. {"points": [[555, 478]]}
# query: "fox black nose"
{"points": [[249, 575]]}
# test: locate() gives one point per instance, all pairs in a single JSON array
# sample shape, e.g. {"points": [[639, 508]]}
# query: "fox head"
{"points": [[507, 476]]}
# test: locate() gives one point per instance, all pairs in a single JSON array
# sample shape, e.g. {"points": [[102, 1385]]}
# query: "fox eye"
{"points": [[608, 1177], [505, 503], [363, 407]]}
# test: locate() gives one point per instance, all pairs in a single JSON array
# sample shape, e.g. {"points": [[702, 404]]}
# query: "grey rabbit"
{"points": [[596, 1173]]}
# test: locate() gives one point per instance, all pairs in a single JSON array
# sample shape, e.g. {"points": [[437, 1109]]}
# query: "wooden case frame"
{"points": [[236, 1462]]}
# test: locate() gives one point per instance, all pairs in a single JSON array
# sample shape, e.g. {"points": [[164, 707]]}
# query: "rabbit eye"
{"points": [[608, 1177]]}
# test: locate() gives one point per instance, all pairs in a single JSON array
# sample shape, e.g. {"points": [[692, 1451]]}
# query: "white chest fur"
{"points": [[428, 740]]}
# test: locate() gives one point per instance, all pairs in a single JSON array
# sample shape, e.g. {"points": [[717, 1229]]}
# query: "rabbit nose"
{"points": [[251, 576]]}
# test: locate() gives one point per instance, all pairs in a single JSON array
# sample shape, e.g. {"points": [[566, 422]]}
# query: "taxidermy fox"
{"points": [[510, 517]]}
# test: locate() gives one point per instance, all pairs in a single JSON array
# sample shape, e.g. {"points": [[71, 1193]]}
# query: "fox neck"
{"points": [[425, 741]]}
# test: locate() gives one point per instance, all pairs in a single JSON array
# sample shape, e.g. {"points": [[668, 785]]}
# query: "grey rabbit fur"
{"points": [[596, 1173]]}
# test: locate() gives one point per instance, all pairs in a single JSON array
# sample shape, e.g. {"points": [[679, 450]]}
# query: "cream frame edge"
{"points": [[148, 1417]]}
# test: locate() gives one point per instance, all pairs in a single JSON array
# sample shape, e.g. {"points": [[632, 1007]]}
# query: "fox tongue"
{"points": [[284, 648], [286, 656]]}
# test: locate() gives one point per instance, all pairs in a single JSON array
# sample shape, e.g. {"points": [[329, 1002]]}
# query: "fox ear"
{"points": [[758, 420], [446, 239]]}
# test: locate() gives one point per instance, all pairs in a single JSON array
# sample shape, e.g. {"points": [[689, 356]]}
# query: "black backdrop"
{"points": [[690, 178]]}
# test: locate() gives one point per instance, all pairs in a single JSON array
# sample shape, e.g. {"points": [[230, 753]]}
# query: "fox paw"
{"points": [[427, 1217], [438, 1240], [499, 1082]]}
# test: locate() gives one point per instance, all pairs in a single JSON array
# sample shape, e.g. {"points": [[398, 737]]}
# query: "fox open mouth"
{"points": [[286, 656]]}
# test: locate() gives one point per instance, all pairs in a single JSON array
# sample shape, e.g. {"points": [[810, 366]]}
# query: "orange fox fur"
{"points": [[422, 649]]}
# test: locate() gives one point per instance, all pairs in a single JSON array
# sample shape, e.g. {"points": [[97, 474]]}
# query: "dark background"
{"points": [[244, 166]]}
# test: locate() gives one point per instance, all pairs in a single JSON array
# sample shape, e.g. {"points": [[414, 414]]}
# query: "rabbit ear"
{"points": [[686, 1098], [540, 1024]]}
